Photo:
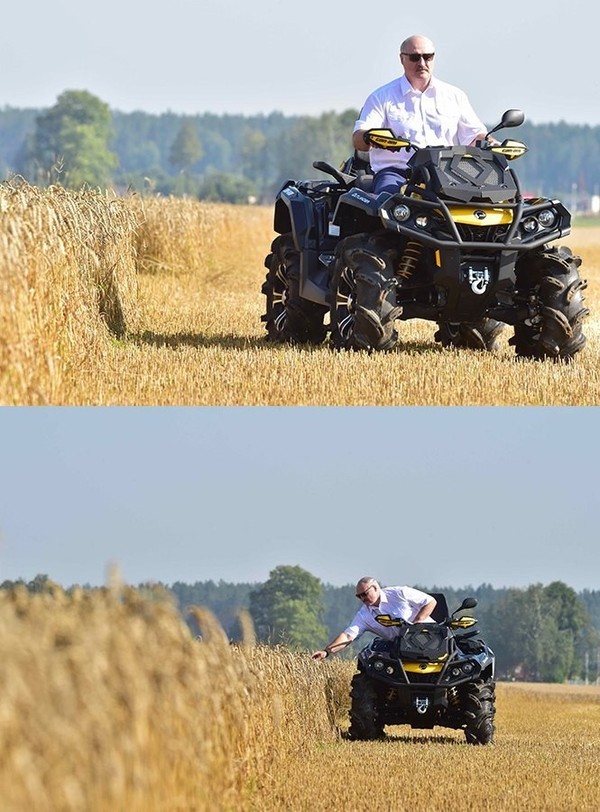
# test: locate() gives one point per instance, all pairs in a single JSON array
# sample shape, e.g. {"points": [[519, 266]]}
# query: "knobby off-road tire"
{"points": [[479, 708], [363, 293], [550, 277], [364, 717], [479, 335], [289, 318]]}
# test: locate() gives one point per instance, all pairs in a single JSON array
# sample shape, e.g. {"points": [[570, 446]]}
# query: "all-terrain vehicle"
{"points": [[431, 674], [459, 245]]}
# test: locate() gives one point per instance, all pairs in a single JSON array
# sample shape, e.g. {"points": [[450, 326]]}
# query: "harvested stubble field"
{"points": [[109, 703], [131, 301]]}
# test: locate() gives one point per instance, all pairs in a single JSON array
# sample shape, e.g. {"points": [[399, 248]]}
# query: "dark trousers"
{"points": [[389, 180]]}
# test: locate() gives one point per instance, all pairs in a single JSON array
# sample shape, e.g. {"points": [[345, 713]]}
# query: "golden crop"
{"points": [[109, 703], [132, 301]]}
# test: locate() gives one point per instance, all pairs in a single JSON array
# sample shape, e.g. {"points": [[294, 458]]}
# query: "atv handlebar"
{"points": [[388, 620], [463, 622], [384, 138]]}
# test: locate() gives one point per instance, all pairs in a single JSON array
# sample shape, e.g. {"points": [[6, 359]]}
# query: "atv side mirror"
{"points": [[511, 118], [468, 603]]}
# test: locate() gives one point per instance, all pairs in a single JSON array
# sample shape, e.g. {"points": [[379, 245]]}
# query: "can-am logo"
{"points": [[479, 279], [481, 215]]}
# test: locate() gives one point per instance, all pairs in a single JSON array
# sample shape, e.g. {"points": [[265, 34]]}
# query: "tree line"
{"points": [[546, 633], [235, 158]]}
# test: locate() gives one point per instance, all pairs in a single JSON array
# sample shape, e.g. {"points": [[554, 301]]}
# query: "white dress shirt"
{"points": [[441, 115], [398, 601]]}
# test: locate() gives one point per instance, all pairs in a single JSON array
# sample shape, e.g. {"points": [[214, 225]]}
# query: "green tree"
{"points": [[41, 583], [327, 138], [255, 159], [288, 608], [538, 633], [591, 602], [225, 187], [70, 143], [224, 599], [573, 626], [186, 149], [566, 607]]}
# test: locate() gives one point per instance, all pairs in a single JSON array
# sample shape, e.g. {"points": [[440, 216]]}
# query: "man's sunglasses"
{"points": [[418, 57], [364, 594]]}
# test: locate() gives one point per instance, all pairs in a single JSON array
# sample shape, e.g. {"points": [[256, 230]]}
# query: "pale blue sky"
{"points": [[226, 56], [431, 496]]}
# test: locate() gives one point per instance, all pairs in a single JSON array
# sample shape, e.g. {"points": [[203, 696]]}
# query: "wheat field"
{"points": [[109, 703], [132, 301]]}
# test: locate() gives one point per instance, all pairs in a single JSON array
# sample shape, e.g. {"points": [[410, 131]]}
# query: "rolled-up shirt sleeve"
{"points": [[357, 626], [372, 114], [469, 124]]}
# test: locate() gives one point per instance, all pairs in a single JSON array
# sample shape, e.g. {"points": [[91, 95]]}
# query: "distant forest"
{"points": [[226, 599], [238, 158], [540, 633]]}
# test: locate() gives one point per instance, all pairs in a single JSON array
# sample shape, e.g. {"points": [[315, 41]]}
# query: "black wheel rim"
{"points": [[345, 299], [280, 296]]}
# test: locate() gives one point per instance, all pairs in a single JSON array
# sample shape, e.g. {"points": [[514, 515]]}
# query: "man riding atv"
{"points": [[424, 110], [423, 231], [424, 667], [403, 602]]}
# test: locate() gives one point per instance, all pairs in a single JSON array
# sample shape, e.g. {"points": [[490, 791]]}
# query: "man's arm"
{"points": [[478, 137], [481, 137], [358, 141], [425, 611], [337, 644]]}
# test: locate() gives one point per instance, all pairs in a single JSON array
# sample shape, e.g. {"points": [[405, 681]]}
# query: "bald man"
{"points": [[416, 106]]}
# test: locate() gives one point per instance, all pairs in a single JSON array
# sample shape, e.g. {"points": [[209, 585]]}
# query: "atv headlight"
{"points": [[401, 213], [422, 221], [378, 665], [530, 225], [467, 667], [547, 218]]}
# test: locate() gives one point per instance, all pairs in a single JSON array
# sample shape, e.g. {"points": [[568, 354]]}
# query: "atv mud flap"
{"points": [[314, 278]]}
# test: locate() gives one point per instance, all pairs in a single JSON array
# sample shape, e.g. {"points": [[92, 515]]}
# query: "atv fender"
{"points": [[294, 213], [358, 211]]}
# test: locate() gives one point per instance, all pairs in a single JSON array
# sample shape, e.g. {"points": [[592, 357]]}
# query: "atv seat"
{"points": [[440, 613], [358, 165], [364, 183]]}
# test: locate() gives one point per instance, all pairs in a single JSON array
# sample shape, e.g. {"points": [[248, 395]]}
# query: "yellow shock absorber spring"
{"points": [[453, 696], [409, 259]]}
